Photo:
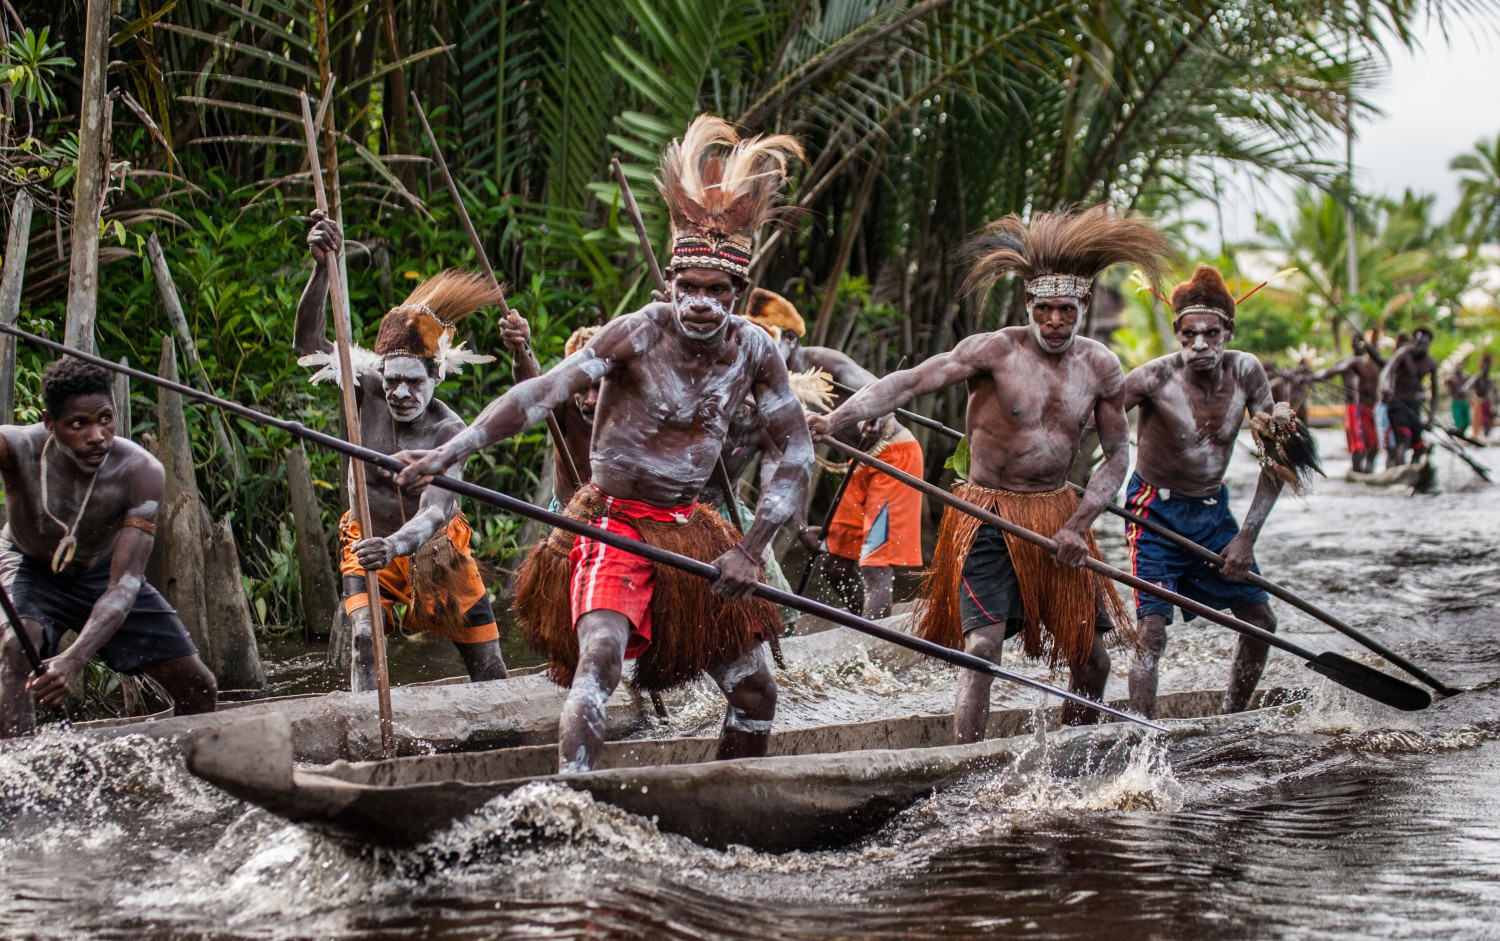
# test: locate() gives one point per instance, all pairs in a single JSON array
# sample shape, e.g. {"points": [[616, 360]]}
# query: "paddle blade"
{"points": [[1368, 681]]}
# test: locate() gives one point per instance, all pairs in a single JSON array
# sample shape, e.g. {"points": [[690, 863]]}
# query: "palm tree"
{"points": [[1477, 218]]}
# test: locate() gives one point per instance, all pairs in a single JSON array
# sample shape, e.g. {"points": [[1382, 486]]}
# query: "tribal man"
{"points": [[671, 375], [420, 545], [1401, 388], [1482, 388], [1192, 404], [82, 508], [878, 523], [1361, 377], [1032, 392]]}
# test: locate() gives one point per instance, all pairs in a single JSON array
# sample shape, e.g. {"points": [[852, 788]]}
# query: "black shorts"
{"points": [[151, 632], [988, 592]]}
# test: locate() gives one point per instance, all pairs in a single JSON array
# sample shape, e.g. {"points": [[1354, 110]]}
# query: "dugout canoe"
{"points": [[819, 787]]}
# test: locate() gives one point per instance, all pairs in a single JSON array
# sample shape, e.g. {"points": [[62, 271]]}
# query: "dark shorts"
{"points": [[1406, 421], [151, 632], [988, 592], [1206, 521]]}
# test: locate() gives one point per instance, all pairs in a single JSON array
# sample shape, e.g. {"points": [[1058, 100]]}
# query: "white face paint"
{"points": [[409, 386], [694, 322], [1061, 346]]}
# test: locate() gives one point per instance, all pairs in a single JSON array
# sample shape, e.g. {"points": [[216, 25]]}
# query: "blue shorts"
{"points": [[1206, 521]]}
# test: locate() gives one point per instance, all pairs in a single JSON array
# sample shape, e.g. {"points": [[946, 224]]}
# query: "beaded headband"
{"points": [[1059, 285]]}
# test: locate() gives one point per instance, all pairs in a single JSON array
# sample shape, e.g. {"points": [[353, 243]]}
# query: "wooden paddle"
{"points": [[655, 554], [1285, 594], [1365, 680], [338, 291]]}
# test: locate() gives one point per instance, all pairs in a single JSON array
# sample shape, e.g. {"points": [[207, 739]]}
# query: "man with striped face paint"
{"points": [[671, 377], [1192, 404]]}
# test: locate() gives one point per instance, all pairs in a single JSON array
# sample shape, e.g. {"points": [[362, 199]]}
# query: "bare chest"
{"points": [[1189, 414]]}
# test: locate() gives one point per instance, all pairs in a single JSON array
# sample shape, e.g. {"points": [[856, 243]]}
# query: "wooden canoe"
{"points": [[819, 787]]}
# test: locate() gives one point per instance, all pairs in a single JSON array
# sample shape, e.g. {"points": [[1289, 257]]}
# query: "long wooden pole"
{"points": [[566, 523], [338, 291], [16, 244], [570, 467], [88, 186], [1350, 673]]}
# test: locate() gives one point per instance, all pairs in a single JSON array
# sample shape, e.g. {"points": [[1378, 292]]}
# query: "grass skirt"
{"points": [[692, 628], [1059, 601]]}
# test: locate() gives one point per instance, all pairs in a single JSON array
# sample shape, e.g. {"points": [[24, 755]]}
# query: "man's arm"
{"points": [[1140, 384], [310, 335], [1432, 386], [1337, 369], [529, 402], [780, 496], [1239, 555], [883, 396], [840, 366], [126, 574], [515, 332], [1114, 440], [1388, 374], [434, 512]]}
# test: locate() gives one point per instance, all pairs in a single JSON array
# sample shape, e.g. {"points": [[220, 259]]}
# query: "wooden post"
{"points": [[339, 294], [236, 656], [122, 401], [320, 587], [10, 299], [88, 188], [166, 289]]}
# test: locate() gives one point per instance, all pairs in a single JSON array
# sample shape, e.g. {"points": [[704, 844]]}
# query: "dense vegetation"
{"points": [[923, 119]]}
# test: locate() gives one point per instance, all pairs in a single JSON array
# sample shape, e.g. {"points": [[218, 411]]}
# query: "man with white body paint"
{"points": [[671, 375], [1192, 404], [1033, 392], [82, 509], [420, 545]]}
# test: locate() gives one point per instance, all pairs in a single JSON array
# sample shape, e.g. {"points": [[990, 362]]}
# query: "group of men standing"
{"points": [[649, 404]]}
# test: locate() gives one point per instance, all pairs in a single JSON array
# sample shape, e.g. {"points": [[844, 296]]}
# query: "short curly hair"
{"points": [[67, 377]]}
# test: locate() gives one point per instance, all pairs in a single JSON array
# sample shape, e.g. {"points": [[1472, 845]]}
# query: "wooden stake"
{"points": [[10, 299], [338, 292], [88, 188], [570, 467]]}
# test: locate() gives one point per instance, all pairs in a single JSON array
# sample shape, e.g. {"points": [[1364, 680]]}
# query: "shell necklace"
{"points": [[68, 545]]}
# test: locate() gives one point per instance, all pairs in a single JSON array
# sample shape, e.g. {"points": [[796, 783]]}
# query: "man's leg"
{"points": [[841, 575], [362, 655], [1088, 678], [188, 681], [1249, 658], [17, 707], [877, 582], [971, 708], [1143, 668], [602, 636], [751, 690], [483, 660]]}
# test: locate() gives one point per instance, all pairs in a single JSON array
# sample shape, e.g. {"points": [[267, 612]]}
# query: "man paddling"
{"points": [[877, 525], [1032, 392], [1192, 404], [1360, 374], [81, 505], [671, 375], [420, 545], [1401, 388]]}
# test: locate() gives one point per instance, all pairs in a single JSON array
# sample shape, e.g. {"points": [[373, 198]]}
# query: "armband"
{"points": [[145, 526]]}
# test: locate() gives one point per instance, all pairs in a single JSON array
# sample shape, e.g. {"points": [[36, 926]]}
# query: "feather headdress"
{"points": [[1058, 254], [1204, 293], [421, 326], [770, 309], [719, 189], [580, 338]]}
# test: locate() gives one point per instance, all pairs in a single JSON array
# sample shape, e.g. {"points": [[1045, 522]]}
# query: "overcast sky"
{"points": [[1437, 101]]}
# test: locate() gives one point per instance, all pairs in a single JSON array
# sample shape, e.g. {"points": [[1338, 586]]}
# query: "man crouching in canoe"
{"points": [[672, 373], [420, 546], [82, 514], [1032, 392], [1192, 404]]}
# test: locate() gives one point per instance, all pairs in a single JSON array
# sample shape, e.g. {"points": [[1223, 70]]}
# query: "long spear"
{"points": [[1363, 679], [655, 554], [553, 428], [338, 290]]}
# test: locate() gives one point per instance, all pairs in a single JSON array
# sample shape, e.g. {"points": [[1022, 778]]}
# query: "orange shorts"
{"points": [[395, 588], [879, 520]]}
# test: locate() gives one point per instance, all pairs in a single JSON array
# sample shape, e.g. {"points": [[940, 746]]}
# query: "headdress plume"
{"points": [[1058, 254]]}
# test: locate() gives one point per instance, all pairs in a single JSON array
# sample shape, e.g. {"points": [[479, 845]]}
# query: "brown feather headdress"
{"points": [[770, 309], [1058, 254], [423, 324], [1204, 293], [719, 189]]}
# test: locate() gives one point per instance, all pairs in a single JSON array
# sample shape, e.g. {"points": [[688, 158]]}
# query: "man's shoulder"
{"points": [[446, 423], [988, 348], [1154, 373], [1098, 355], [134, 459], [1245, 365]]}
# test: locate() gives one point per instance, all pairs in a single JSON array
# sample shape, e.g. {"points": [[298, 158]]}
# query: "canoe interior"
{"points": [[897, 733]]}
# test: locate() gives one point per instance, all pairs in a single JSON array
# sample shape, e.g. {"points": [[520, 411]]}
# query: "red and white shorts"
{"points": [[610, 579]]}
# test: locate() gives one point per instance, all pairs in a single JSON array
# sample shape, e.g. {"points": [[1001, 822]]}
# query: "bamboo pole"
{"points": [[338, 291], [553, 428]]}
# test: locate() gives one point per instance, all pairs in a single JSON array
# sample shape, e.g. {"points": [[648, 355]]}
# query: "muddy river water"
{"points": [[1349, 820]]}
